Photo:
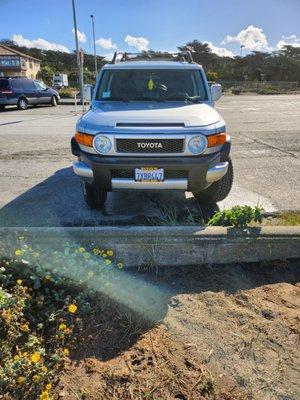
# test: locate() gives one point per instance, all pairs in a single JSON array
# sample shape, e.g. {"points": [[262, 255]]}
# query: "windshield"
{"points": [[151, 85]]}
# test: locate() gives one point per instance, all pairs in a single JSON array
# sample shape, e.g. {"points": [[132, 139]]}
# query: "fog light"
{"points": [[197, 144], [102, 144]]}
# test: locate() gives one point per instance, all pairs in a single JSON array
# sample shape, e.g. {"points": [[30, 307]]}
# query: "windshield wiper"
{"points": [[115, 99], [148, 99], [193, 99]]}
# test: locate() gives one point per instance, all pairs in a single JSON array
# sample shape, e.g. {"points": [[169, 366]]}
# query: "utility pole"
{"points": [[79, 61], [94, 41], [242, 46]]}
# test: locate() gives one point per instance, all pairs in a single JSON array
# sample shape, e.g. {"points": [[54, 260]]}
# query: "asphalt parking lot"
{"points": [[38, 187]]}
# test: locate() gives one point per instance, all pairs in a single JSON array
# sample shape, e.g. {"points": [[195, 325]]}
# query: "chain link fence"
{"points": [[267, 87]]}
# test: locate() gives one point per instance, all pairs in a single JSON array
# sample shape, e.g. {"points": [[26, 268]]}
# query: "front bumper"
{"points": [[201, 172]]}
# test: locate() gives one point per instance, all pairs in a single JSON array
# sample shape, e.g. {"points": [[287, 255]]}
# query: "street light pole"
{"points": [[79, 61], [94, 41], [242, 46]]}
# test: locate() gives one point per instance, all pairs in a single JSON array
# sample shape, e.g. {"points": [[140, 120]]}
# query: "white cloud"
{"points": [[252, 38], [291, 40], [140, 43], [106, 43], [221, 51], [81, 36], [39, 43], [108, 57]]}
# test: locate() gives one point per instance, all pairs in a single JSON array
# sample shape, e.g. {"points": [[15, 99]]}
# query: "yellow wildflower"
{"points": [[66, 352], [110, 253], [120, 265], [18, 252], [62, 327], [96, 251], [44, 369], [104, 255], [72, 308], [35, 357], [19, 282], [48, 386], [44, 395], [25, 354], [16, 357], [47, 278], [21, 380], [24, 327], [81, 249], [35, 378], [107, 262]]}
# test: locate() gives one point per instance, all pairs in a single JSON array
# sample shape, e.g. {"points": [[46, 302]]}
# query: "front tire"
{"points": [[219, 190], [54, 101], [22, 103], [2, 107], [94, 197]]}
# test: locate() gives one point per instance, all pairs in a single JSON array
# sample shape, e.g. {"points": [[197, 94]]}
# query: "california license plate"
{"points": [[149, 174]]}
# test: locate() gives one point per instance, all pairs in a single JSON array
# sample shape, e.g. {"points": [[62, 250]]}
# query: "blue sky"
{"points": [[153, 24]]}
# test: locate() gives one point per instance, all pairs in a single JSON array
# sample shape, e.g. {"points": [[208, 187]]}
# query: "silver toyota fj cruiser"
{"points": [[152, 126]]}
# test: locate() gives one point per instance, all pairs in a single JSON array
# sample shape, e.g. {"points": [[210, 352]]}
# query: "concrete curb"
{"points": [[174, 246]]}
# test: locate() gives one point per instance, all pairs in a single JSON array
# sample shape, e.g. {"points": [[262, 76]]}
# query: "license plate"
{"points": [[149, 174]]}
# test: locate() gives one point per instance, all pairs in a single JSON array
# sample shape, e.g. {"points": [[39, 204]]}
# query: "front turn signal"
{"points": [[84, 139], [216, 140]]}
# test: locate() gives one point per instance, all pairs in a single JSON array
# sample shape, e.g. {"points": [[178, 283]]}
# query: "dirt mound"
{"points": [[225, 332]]}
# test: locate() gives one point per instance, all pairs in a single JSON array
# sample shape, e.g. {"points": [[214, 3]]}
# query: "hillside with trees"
{"points": [[281, 65], [57, 61]]}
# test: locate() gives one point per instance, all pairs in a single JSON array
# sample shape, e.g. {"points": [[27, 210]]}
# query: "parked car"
{"points": [[24, 91], [60, 81], [152, 126]]}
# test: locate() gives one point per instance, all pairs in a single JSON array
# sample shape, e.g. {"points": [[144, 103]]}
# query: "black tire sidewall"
{"points": [[94, 197], [219, 190]]}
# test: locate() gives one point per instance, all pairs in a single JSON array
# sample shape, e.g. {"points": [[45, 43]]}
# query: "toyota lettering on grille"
{"points": [[149, 145]]}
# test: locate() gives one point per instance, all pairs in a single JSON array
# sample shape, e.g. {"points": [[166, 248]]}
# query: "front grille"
{"points": [[129, 174], [149, 145]]}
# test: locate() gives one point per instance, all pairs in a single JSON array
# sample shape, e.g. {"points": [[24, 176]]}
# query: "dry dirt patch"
{"points": [[222, 332]]}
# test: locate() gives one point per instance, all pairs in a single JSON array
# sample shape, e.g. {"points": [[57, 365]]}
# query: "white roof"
{"points": [[154, 64]]}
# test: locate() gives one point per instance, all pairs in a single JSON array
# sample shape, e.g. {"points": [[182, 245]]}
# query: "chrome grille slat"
{"points": [[167, 145]]}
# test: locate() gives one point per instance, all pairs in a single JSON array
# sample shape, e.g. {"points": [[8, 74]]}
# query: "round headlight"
{"points": [[197, 144], [102, 144]]}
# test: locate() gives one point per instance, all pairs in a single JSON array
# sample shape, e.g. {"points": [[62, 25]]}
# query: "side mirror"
{"points": [[216, 91]]}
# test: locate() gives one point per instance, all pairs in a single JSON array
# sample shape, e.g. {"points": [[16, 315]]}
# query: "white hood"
{"points": [[191, 115]]}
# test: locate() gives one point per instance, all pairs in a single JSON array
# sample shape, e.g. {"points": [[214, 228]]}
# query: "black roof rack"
{"points": [[184, 56]]}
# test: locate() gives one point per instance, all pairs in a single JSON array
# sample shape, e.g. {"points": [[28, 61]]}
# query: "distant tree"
{"points": [[283, 64], [212, 75], [201, 53], [46, 75]]}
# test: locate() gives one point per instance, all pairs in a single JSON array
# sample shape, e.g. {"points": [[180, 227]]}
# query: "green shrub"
{"points": [[44, 299], [66, 93], [269, 90], [236, 90], [212, 76], [237, 216]]}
